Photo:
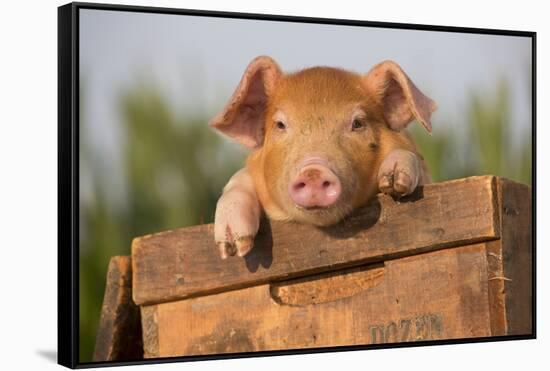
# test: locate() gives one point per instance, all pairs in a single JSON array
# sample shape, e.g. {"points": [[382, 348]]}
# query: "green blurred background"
{"points": [[149, 165]]}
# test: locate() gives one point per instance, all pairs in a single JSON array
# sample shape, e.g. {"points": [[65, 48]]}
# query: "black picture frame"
{"points": [[68, 175]]}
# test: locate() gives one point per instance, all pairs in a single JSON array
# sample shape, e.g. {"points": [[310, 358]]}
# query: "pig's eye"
{"points": [[357, 124], [280, 125]]}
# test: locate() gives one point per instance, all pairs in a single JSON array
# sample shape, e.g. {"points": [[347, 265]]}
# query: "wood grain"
{"points": [[515, 202], [184, 263], [150, 327], [436, 295], [119, 335], [325, 287]]}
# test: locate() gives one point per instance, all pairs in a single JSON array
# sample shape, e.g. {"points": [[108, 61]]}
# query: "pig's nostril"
{"points": [[326, 184], [300, 185]]}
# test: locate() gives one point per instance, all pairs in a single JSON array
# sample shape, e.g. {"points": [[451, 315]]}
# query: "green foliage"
{"points": [[485, 145], [174, 169]]}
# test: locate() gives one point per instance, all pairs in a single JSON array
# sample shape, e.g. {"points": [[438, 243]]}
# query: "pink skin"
{"points": [[315, 184], [238, 210], [237, 216]]}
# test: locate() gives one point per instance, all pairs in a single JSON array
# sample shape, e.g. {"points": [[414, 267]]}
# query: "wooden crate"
{"points": [[451, 261], [119, 335]]}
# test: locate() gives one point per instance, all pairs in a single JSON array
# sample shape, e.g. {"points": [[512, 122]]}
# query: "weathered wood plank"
{"points": [[119, 335], [436, 295], [182, 263], [515, 201], [149, 322]]}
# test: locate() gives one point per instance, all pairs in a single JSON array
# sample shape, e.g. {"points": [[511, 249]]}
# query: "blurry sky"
{"points": [[197, 62]]}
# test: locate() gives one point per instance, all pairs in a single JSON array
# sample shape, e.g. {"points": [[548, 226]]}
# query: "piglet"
{"points": [[324, 141]]}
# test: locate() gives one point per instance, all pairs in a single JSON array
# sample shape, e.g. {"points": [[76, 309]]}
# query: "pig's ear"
{"points": [[399, 98], [242, 118]]}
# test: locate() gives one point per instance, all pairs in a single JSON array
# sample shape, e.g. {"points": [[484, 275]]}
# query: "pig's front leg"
{"points": [[237, 216], [400, 173]]}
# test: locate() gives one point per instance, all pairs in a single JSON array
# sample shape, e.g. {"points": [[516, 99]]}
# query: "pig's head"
{"points": [[319, 134]]}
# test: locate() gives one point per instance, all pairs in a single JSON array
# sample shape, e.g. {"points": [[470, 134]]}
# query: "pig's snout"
{"points": [[315, 186]]}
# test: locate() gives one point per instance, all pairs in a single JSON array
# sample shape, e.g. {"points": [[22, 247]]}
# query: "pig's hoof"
{"points": [[235, 228], [226, 249], [399, 173], [396, 185], [244, 245], [240, 246]]}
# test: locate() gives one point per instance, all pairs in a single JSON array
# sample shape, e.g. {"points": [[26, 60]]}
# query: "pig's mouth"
{"points": [[316, 208], [321, 215], [312, 208]]}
